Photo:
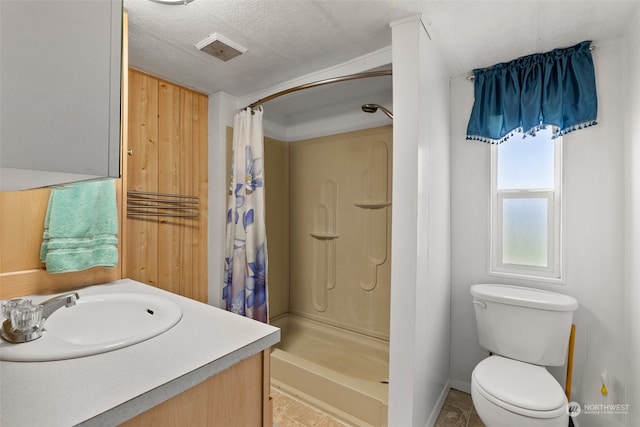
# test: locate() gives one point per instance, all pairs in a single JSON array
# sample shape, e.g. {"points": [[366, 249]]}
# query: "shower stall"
{"points": [[328, 214]]}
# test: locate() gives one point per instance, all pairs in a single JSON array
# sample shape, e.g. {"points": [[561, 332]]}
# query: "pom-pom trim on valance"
{"points": [[556, 132]]}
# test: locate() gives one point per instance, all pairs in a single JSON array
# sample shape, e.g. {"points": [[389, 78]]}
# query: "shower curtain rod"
{"points": [[320, 83]]}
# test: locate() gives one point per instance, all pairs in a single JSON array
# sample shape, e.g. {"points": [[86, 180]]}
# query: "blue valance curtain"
{"points": [[556, 88]]}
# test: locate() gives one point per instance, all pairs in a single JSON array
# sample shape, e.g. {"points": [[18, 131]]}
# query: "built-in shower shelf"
{"points": [[372, 205], [324, 236]]}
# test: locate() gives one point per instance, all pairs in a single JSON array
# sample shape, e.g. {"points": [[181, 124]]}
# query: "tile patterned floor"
{"points": [[458, 411], [289, 412]]}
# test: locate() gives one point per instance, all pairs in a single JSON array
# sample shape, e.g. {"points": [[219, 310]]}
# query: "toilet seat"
{"points": [[519, 387]]}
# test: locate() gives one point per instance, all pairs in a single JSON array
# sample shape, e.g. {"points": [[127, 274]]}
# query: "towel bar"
{"points": [[144, 203]]}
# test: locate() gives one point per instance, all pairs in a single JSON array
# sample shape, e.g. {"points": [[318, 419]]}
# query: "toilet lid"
{"points": [[519, 385]]}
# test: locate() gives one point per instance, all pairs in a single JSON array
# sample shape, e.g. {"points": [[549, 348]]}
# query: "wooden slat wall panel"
{"points": [[180, 163], [201, 162], [21, 226], [187, 184], [169, 141], [22, 219], [142, 175]]}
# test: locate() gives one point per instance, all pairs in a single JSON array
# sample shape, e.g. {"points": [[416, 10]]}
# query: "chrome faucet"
{"points": [[64, 300], [25, 320]]}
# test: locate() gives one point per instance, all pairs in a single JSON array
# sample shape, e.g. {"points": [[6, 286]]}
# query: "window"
{"points": [[526, 206]]}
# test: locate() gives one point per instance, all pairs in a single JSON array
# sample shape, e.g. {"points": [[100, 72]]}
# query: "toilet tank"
{"points": [[526, 324]]}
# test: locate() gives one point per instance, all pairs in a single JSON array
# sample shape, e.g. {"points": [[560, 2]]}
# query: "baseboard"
{"points": [[439, 404], [461, 386]]}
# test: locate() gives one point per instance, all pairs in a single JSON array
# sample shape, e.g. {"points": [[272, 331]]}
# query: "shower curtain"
{"points": [[245, 276]]}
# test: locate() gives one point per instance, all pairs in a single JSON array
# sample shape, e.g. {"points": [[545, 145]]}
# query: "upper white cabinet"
{"points": [[60, 90]]}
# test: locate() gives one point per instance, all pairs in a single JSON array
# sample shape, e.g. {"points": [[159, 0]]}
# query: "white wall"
{"points": [[338, 119], [632, 222], [419, 346], [594, 238], [222, 109]]}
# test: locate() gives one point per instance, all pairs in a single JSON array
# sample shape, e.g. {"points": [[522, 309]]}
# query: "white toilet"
{"points": [[525, 329]]}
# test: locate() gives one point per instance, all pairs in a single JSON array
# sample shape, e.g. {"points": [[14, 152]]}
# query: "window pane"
{"points": [[526, 163], [524, 231]]}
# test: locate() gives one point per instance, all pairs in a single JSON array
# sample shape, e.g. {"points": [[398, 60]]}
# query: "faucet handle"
{"points": [[8, 306], [26, 317]]}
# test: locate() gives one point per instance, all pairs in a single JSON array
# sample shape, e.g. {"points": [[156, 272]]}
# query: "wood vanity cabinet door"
{"points": [[236, 397]]}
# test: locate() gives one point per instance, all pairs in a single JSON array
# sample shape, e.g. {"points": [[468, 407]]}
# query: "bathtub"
{"points": [[341, 372]]}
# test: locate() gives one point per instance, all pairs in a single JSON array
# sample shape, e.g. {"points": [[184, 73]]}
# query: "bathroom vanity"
{"points": [[211, 368]]}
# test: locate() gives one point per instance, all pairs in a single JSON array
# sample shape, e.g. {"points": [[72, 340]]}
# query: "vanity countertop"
{"points": [[110, 388]]}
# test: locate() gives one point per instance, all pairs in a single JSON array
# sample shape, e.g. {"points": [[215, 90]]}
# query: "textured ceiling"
{"points": [[284, 39], [288, 39]]}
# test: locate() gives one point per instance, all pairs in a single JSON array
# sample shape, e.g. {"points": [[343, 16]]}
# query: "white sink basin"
{"points": [[97, 324]]}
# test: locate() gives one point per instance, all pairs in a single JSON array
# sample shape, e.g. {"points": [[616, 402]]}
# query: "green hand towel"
{"points": [[81, 227]]}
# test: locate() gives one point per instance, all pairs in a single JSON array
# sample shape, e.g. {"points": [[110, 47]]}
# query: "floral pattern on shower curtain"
{"points": [[245, 276]]}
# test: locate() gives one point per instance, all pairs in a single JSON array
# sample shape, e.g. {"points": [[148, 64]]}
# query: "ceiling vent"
{"points": [[220, 47]]}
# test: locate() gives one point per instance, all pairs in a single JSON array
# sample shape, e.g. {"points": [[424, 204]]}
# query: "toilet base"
{"points": [[493, 415]]}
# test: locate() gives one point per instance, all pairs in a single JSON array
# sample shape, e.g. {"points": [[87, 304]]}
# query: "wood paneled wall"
{"points": [[21, 272], [168, 154]]}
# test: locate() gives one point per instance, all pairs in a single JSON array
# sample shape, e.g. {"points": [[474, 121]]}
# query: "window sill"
{"points": [[527, 277]]}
